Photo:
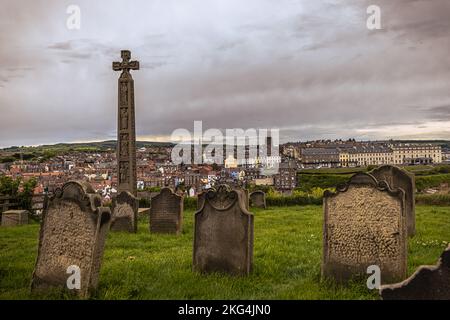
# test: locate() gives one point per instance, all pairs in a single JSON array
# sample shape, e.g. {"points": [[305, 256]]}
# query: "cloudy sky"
{"points": [[310, 68]]}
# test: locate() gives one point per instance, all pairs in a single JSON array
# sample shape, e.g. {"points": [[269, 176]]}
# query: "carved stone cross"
{"points": [[126, 132], [126, 65]]}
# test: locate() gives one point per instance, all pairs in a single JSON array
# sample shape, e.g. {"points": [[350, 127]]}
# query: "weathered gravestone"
{"points": [[73, 233], [13, 218], [427, 283], [166, 212], [124, 212], [364, 225], [246, 197], [398, 178], [223, 239], [258, 199], [201, 198]]}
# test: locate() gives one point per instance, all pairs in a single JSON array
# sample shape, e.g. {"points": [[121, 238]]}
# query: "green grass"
{"points": [[433, 199], [425, 176], [306, 182], [287, 257], [431, 181]]}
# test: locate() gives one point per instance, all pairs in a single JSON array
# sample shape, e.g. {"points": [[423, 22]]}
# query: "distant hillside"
{"points": [[101, 146], [44, 152]]}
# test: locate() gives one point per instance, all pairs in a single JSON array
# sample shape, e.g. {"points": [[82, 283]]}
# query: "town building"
{"points": [[410, 154]]}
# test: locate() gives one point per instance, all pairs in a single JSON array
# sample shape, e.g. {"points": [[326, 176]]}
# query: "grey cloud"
{"points": [[61, 46], [152, 65], [309, 68], [416, 20], [10, 73], [439, 112]]}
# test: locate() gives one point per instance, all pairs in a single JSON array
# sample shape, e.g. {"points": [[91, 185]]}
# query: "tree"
{"points": [[25, 196], [22, 191], [9, 186], [7, 159]]}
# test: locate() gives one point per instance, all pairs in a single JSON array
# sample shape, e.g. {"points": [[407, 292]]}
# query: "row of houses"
{"points": [[372, 154], [201, 177]]}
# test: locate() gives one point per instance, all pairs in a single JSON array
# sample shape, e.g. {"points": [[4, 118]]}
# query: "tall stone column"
{"points": [[126, 131]]}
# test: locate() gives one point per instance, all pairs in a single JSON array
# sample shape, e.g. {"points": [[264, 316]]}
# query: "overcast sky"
{"points": [[310, 68]]}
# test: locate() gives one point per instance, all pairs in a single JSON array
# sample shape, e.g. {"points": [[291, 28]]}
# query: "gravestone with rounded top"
{"points": [[166, 212], [223, 234], [124, 212], [258, 199], [364, 225], [427, 283], [72, 235]]}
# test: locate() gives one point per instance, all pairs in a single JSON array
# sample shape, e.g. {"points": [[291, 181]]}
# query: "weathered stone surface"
{"points": [[201, 198], [223, 240], [13, 218], [166, 212], [245, 198], [124, 212], [126, 131], [73, 233], [364, 225], [258, 199], [427, 283], [399, 178]]}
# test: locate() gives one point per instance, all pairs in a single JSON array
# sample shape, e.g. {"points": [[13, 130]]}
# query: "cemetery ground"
{"points": [[287, 258]]}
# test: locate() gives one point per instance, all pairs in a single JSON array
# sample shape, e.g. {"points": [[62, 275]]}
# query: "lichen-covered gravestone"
{"points": [[398, 178], [223, 239], [12, 218], [72, 235], [124, 212], [427, 283], [258, 199], [364, 225], [166, 212]]}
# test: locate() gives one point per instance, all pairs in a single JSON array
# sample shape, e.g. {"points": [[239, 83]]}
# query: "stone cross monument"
{"points": [[126, 132]]}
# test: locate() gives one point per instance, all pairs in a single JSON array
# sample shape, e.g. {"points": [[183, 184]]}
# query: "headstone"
{"points": [[258, 199], [246, 197], [166, 212], [124, 212], [364, 225], [72, 235], [13, 218], [126, 131], [398, 178], [201, 198], [223, 236], [427, 283]]}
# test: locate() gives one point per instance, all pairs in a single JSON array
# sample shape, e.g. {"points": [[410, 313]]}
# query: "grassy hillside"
{"points": [[287, 257], [47, 151], [426, 176]]}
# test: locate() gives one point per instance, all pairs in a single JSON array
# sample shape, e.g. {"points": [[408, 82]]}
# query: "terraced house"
{"points": [[372, 154], [417, 154]]}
